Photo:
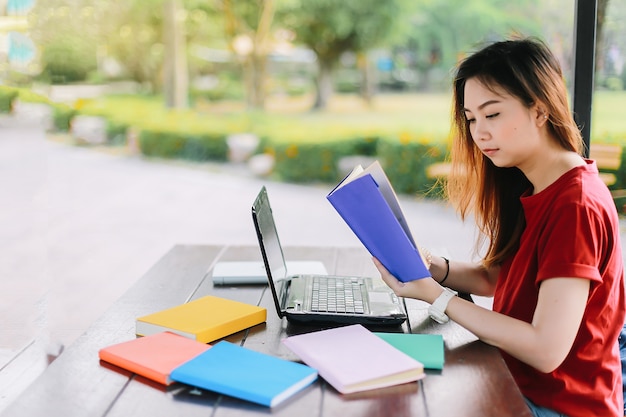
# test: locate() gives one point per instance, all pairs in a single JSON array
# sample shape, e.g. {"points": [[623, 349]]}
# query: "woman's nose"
{"points": [[479, 132]]}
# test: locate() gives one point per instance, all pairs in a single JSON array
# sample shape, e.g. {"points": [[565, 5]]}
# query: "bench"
{"points": [[608, 157]]}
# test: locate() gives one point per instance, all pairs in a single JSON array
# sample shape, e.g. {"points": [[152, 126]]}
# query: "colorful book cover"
{"points": [[206, 319], [367, 203], [154, 356], [353, 359], [426, 348], [243, 373]]}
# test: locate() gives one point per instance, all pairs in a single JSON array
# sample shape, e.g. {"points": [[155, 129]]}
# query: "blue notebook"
{"points": [[367, 203], [243, 373]]}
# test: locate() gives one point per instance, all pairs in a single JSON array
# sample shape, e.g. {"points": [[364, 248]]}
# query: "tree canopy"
{"points": [[427, 36]]}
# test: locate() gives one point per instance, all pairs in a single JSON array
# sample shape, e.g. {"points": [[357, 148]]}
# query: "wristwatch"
{"points": [[437, 310]]}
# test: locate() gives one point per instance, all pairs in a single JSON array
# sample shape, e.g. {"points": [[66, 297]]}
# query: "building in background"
{"points": [[17, 50]]}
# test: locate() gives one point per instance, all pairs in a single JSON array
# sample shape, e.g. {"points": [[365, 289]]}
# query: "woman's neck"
{"points": [[552, 165]]}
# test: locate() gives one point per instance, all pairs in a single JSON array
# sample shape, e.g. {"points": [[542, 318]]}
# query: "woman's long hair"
{"points": [[526, 69]]}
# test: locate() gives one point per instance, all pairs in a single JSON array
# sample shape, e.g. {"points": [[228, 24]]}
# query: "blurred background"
{"points": [[129, 126], [290, 86]]}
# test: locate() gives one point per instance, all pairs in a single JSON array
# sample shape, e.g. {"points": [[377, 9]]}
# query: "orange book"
{"points": [[153, 357], [206, 319]]}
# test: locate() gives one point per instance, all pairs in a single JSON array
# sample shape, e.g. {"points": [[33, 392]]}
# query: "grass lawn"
{"points": [[609, 114], [426, 117]]}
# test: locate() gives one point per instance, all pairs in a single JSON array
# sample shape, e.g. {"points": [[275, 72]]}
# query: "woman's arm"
{"points": [[543, 344], [465, 276]]}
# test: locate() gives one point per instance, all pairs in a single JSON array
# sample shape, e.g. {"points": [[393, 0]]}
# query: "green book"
{"points": [[426, 348]]}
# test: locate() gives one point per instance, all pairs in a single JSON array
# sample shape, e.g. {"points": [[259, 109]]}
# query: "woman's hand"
{"points": [[425, 289]]}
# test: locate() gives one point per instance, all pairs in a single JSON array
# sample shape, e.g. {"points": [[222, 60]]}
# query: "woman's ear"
{"points": [[541, 115]]}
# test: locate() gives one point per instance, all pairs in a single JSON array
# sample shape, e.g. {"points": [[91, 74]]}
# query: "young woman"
{"points": [[553, 260]]}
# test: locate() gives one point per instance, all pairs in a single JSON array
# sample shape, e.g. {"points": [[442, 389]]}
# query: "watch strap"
{"points": [[437, 309]]}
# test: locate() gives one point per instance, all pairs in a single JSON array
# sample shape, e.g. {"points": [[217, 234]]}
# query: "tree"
{"points": [[330, 28], [66, 31], [176, 76], [248, 29], [135, 39], [602, 6], [437, 33]]}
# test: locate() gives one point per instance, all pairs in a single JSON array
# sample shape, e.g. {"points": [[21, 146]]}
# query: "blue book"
{"points": [[367, 203], [243, 373]]}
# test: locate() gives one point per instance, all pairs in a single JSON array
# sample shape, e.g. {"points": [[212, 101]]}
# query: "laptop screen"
{"points": [[269, 236], [269, 243]]}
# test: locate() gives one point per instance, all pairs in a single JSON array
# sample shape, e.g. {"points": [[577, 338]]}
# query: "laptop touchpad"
{"points": [[379, 297]]}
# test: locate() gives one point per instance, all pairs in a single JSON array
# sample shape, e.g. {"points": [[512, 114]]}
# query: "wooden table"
{"points": [[474, 381]]}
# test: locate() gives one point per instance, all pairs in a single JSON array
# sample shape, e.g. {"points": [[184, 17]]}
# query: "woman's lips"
{"points": [[490, 151]]}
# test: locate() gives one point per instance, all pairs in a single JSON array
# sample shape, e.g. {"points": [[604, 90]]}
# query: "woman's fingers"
{"points": [[386, 276]]}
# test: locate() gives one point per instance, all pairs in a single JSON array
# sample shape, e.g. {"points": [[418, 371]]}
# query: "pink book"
{"points": [[353, 359], [154, 356]]}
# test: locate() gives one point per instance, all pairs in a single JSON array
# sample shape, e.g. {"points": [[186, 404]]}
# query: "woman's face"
{"points": [[501, 126]]}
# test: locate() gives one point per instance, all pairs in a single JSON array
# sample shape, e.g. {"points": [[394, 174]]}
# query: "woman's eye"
{"points": [[470, 121], [491, 116]]}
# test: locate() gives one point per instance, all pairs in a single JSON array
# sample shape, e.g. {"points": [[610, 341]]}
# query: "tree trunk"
{"points": [[367, 78], [602, 5], [254, 61], [258, 81], [176, 80], [324, 85]]}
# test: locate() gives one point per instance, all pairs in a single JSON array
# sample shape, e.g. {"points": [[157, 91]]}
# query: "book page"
{"points": [[355, 173], [376, 170]]}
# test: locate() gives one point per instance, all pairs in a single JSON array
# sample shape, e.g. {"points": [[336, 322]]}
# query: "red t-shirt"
{"points": [[572, 230]]}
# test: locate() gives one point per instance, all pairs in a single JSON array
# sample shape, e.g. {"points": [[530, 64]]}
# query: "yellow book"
{"points": [[206, 319]]}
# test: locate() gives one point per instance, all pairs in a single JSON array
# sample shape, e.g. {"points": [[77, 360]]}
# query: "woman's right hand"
{"points": [[425, 289]]}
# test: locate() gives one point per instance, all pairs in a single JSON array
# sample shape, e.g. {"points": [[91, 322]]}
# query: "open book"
{"points": [[367, 202]]}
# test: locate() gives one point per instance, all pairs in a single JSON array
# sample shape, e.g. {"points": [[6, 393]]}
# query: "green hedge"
{"points": [[62, 115], [7, 96], [116, 132], [406, 163], [315, 162], [306, 162], [183, 145]]}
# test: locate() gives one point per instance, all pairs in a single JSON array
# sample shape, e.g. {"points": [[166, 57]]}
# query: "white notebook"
{"points": [[250, 272]]}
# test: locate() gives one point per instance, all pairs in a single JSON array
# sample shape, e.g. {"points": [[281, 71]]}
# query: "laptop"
{"points": [[300, 297]]}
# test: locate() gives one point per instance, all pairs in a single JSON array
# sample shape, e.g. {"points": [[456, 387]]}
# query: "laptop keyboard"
{"points": [[337, 295]]}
